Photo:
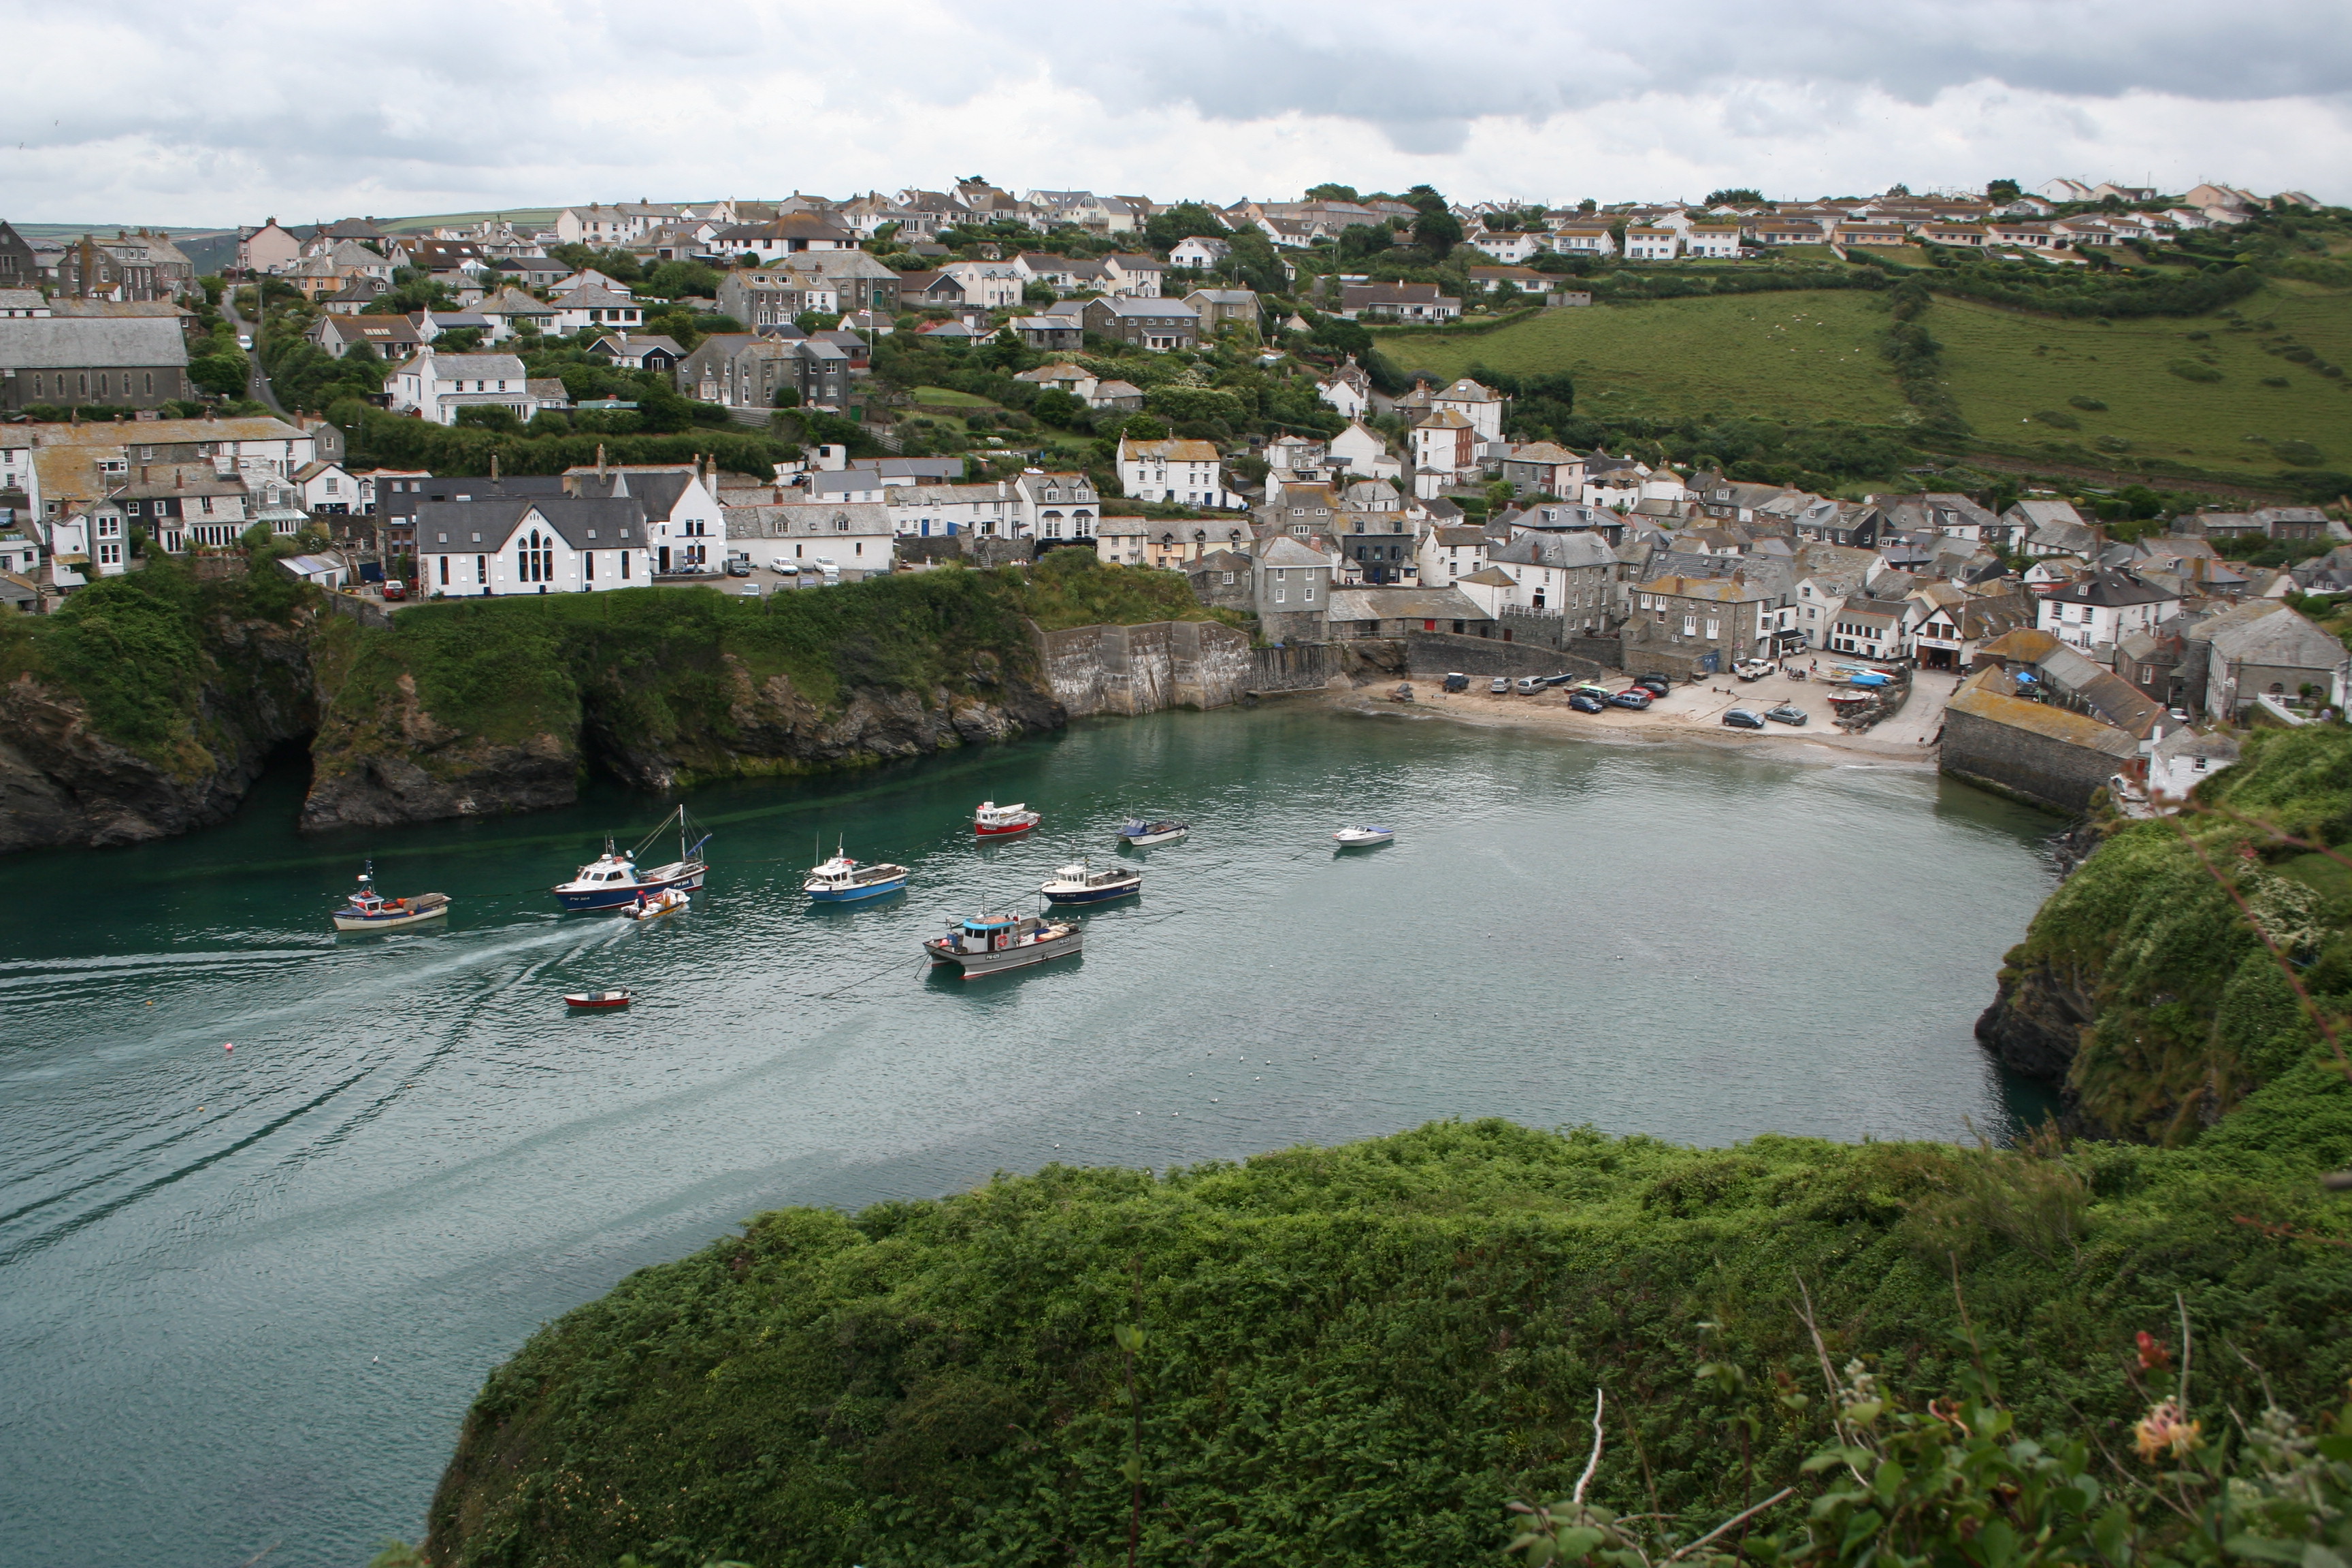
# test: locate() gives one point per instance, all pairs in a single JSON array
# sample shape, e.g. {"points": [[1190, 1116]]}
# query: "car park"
{"points": [[1743, 719], [1585, 702], [1637, 698], [1457, 681], [1528, 685], [1501, 686], [1787, 713]]}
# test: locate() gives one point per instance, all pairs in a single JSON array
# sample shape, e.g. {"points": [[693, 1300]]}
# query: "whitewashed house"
{"points": [[685, 528], [502, 545], [1052, 505], [1200, 251], [1360, 451], [1181, 473], [593, 306], [328, 490], [846, 540], [437, 385]]}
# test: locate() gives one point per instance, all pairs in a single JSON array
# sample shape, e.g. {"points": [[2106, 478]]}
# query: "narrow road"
{"points": [[257, 385]]}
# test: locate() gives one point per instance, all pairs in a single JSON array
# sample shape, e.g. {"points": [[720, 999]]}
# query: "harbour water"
{"points": [[245, 1296]]}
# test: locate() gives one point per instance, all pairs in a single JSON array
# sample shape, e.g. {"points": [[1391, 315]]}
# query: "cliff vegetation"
{"points": [[1361, 1355], [2141, 985]]}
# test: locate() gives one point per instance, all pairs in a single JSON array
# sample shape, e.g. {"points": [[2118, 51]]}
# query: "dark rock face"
{"points": [[2036, 1023], [64, 785]]}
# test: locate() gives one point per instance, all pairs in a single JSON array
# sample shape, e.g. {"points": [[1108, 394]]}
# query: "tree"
{"points": [[1358, 240], [1437, 231], [222, 374], [2003, 190], [1331, 192], [1056, 407], [1164, 230], [1741, 195]]}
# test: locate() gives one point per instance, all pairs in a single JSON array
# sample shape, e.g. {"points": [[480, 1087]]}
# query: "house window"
{"points": [[444, 569], [481, 568], [1690, 625], [624, 566]]}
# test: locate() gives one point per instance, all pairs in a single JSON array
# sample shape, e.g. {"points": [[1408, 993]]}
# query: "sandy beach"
{"points": [[1694, 714]]}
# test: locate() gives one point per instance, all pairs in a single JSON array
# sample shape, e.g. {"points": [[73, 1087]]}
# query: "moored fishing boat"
{"points": [[994, 821], [1083, 884], [984, 945], [612, 881], [595, 1000], [1363, 837], [842, 880], [367, 909], [1141, 834]]}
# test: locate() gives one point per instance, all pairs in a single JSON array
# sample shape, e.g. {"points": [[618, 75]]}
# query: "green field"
{"points": [[1804, 357], [2005, 368], [1807, 357]]}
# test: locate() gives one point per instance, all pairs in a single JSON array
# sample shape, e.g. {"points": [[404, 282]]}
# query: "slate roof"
{"points": [[1286, 552], [2285, 640], [1403, 604], [1566, 551], [1986, 695], [2110, 589], [617, 521], [63, 343]]}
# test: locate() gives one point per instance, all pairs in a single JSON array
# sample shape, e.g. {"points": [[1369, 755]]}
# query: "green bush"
{"points": [[2062, 421], [2190, 370], [2088, 404]]}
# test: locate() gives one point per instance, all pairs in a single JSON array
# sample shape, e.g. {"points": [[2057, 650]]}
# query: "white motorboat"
{"points": [[1141, 834], [650, 906], [985, 944], [368, 910], [1085, 884], [1363, 837], [842, 880]]}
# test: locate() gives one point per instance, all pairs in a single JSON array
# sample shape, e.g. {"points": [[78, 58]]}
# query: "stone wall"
{"points": [[1144, 669], [1429, 655], [2037, 768], [1295, 667]]}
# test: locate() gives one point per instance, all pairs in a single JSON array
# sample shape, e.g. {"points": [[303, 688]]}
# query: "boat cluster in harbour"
{"points": [[978, 944]]}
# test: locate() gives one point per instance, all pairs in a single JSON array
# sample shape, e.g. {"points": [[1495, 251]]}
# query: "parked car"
{"points": [[394, 590], [1751, 669], [829, 568], [1743, 719], [1637, 698], [1787, 713], [1501, 686], [782, 567], [1585, 702], [1657, 683], [1457, 681], [738, 567], [1599, 694], [1528, 685]]}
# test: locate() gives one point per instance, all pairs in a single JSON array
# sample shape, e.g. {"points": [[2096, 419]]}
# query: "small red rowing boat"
{"points": [[592, 1000], [994, 821]]}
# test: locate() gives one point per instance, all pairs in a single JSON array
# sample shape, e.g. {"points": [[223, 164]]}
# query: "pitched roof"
{"points": [[75, 342], [2286, 640], [1169, 451], [1981, 696], [1287, 551], [496, 518]]}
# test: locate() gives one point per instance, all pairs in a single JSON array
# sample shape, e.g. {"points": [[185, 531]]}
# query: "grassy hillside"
{"points": [[1358, 1355], [1810, 357], [2005, 368], [2190, 1011], [1795, 357]]}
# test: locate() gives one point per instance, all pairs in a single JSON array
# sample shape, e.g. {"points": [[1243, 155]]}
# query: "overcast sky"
{"points": [[144, 110]]}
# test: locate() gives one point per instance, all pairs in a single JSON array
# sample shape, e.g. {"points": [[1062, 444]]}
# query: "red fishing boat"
{"points": [[593, 1001], [994, 821]]}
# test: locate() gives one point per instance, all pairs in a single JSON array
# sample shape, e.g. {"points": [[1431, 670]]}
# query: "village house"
{"points": [[135, 361], [435, 386], [1399, 613], [1055, 505], [1180, 473], [1221, 306], [502, 545], [1875, 628], [1690, 625], [597, 307], [1566, 574], [1199, 252], [2102, 607], [394, 338], [1150, 323], [1223, 579], [2283, 656], [2046, 527], [684, 527], [1397, 302], [852, 540], [1347, 389], [1293, 588], [1449, 554]]}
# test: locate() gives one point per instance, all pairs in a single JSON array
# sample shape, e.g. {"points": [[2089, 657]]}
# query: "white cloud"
{"points": [[221, 115]]}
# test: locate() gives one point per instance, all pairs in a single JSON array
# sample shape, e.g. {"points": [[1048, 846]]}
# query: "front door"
{"points": [[664, 567]]}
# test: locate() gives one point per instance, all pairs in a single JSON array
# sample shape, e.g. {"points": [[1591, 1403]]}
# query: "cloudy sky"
{"points": [[144, 110]]}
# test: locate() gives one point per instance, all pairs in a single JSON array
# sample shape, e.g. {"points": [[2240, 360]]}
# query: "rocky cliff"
{"points": [[147, 707]]}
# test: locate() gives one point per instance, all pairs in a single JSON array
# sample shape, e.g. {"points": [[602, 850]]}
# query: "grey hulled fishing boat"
{"points": [[983, 944]]}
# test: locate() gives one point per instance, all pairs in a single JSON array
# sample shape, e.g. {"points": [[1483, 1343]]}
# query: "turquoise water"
{"points": [[244, 1297]]}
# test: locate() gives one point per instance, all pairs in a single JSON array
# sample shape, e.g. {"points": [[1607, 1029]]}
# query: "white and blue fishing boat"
{"points": [[842, 880], [612, 881], [1139, 833], [368, 910], [1082, 884]]}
